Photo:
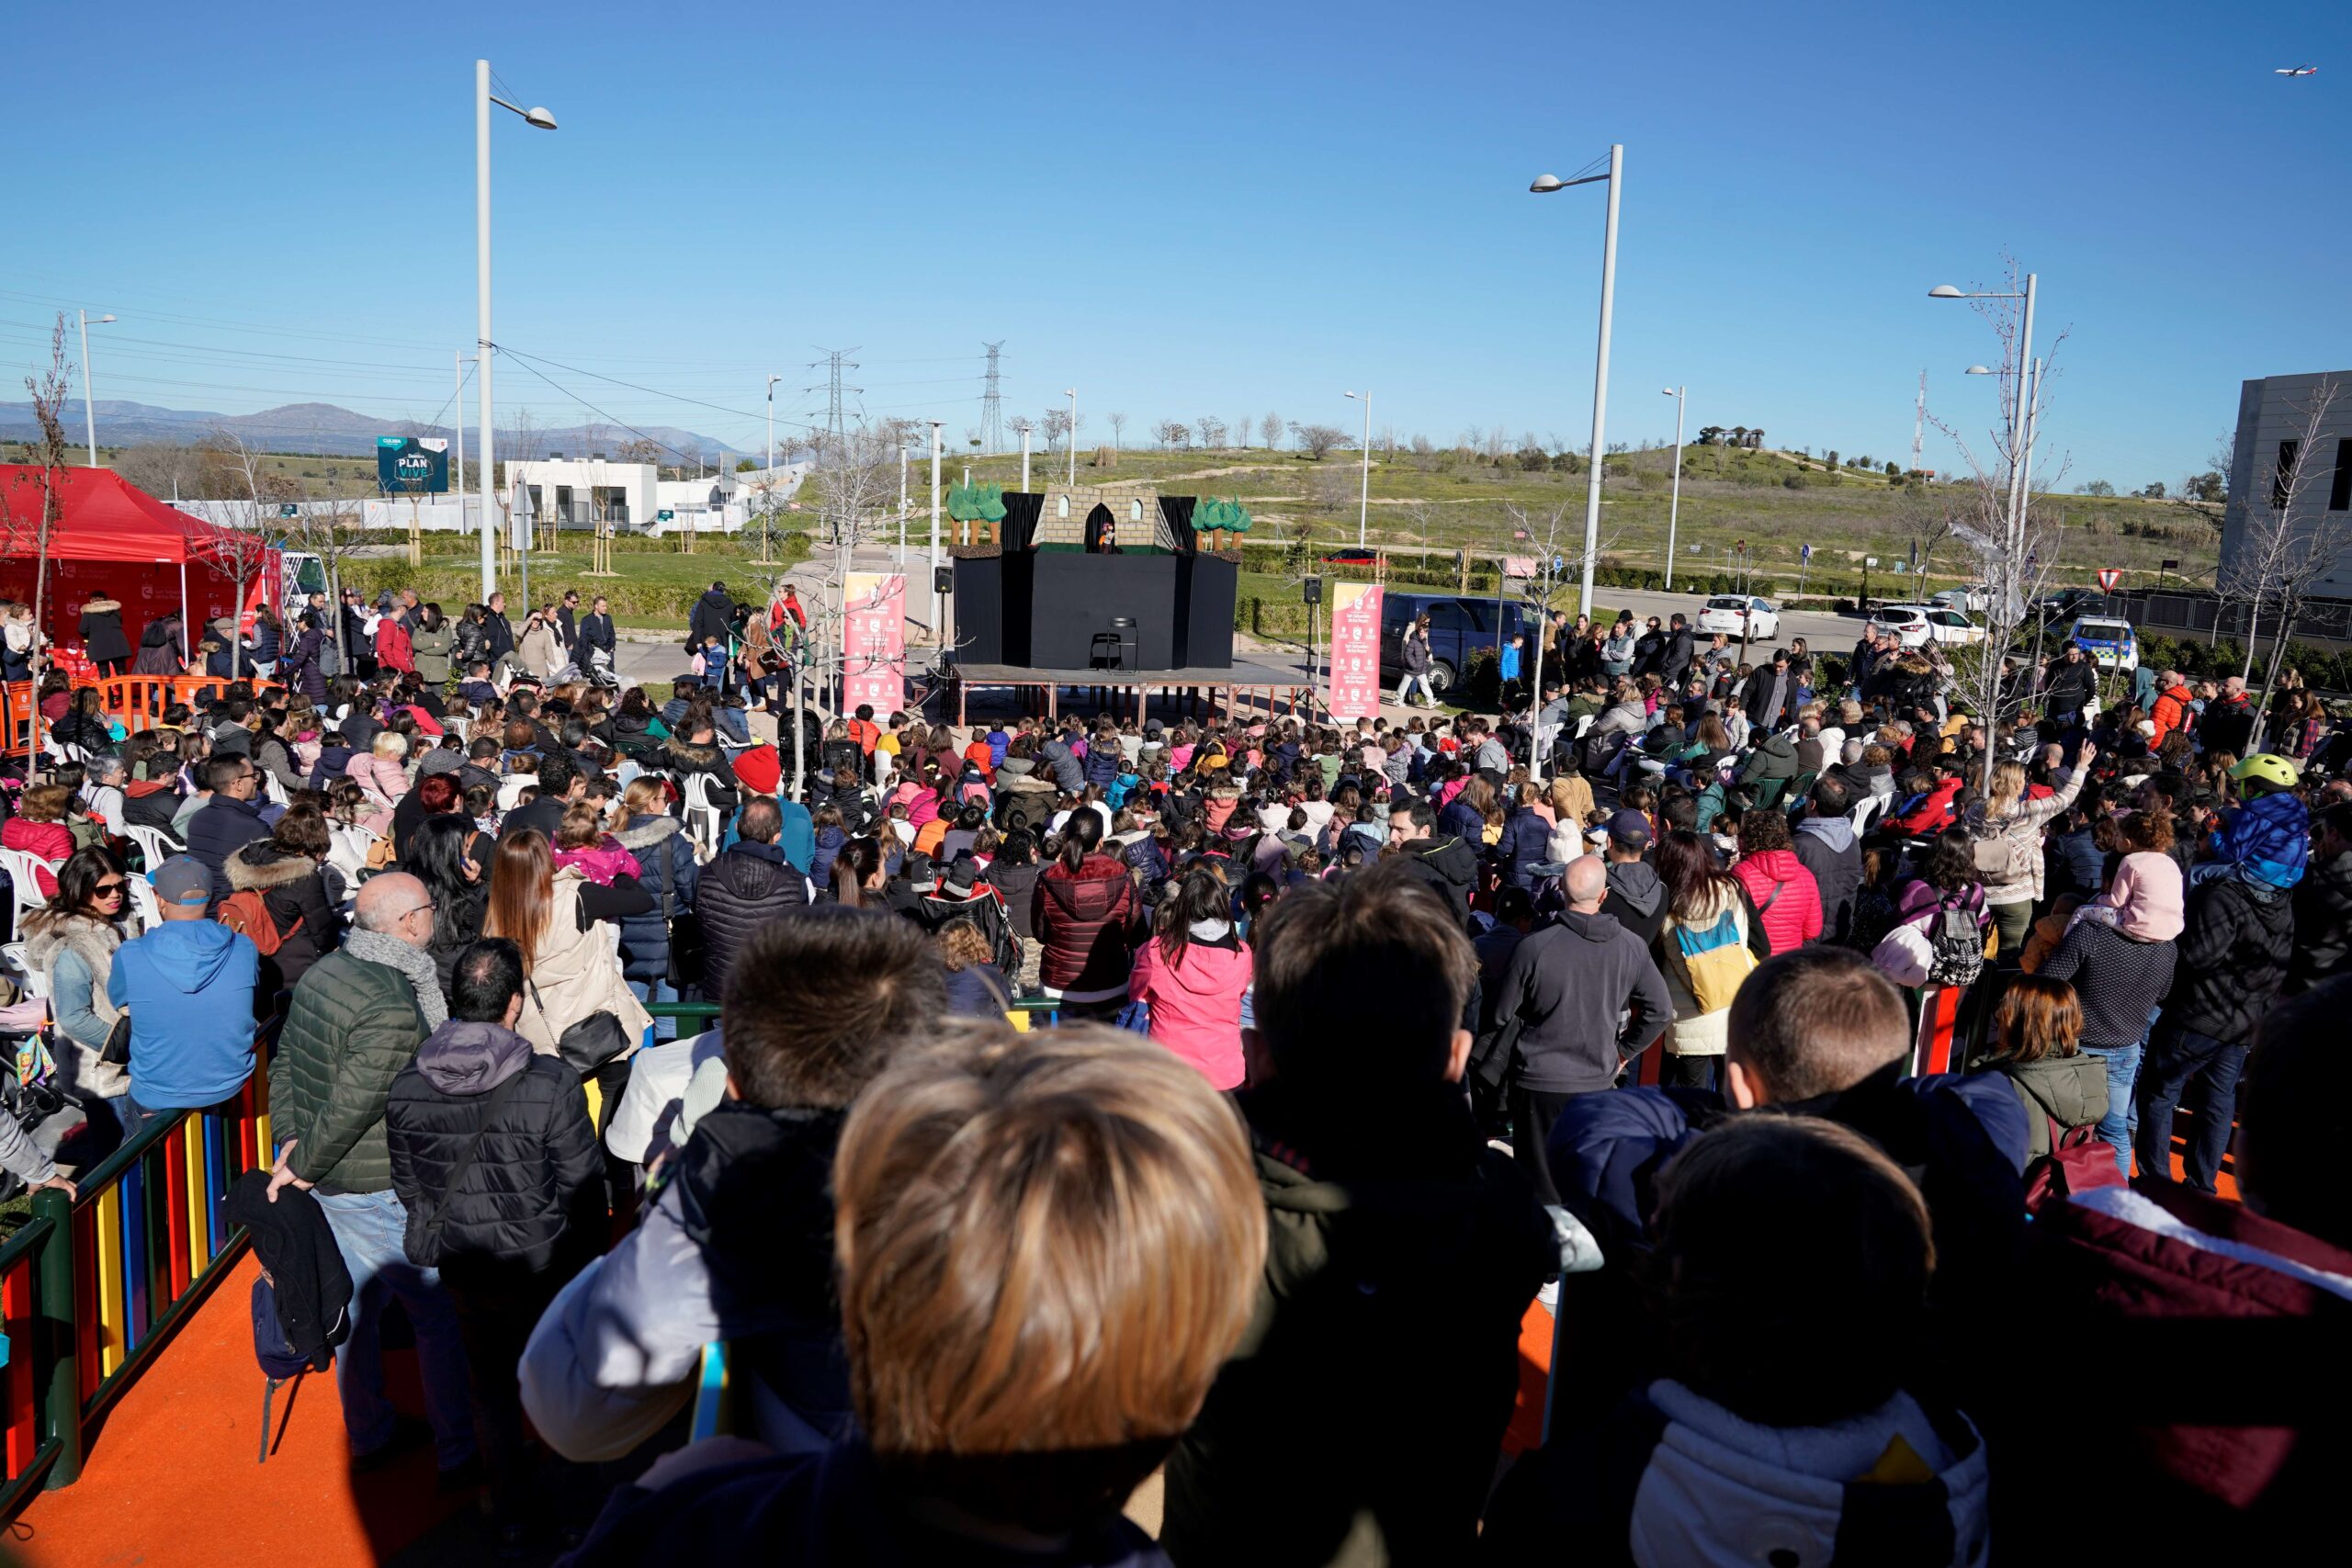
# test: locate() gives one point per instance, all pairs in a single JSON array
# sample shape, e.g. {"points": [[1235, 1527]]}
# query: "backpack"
{"points": [[247, 914], [2005, 856], [274, 1348], [1716, 960], [2078, 1160], [1958, 943]]}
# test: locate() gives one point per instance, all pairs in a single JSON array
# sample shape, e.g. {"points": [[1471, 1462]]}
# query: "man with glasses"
{"points": [[356, 1019], [188, 986], [231, 820]]}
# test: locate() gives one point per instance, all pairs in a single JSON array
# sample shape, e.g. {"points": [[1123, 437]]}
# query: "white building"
{"points": [[2274, 417], [582, 493]]}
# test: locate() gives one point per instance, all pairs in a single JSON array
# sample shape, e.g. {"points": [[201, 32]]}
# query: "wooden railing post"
{"points": [[61, 1419]]}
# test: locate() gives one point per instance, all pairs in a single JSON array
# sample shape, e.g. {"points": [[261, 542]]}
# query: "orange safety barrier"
{"points": [[137, 702]]}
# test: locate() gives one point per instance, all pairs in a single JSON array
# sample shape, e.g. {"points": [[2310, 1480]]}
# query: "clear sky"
{"points": [[1198, 209]]}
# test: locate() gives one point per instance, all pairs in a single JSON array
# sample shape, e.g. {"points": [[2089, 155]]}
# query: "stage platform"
{"points": [[1131, 691]]}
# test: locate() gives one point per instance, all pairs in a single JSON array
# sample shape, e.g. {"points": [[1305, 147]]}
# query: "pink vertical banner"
{"points": [[874, 643], [1355, 650]]}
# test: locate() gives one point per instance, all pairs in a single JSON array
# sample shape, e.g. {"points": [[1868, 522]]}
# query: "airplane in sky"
{"points": [[2296, 71]]}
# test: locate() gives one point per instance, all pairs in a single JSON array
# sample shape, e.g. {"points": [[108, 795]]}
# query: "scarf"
{"points": [[378, 947]]}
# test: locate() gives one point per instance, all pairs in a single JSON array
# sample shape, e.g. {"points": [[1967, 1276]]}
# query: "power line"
{"points": [[836, 361]]}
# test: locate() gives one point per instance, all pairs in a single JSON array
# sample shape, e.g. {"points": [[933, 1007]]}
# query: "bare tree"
{"points": [[330, 529], [31, 519], [1054, 426], [172, 468], [1270, 427], [1555, 535], [2286, 544], [1924, 521], [1241, 433], [241, 549], [1118, 429], [1212, 431], [1172, 434], [1318, 439]]}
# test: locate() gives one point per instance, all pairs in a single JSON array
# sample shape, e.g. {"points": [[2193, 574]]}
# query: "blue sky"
{"points": [[1200, 209]]}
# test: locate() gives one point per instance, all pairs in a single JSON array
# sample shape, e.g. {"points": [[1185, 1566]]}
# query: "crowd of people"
{"points": [[1365, 1036]]}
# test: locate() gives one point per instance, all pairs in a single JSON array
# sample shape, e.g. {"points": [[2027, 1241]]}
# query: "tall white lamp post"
{"points": [[1674, 506], [483, 98], [1544, 186], [1363, 505], [89, 402], [1071, 439], [2020, 404], [938, 609]]}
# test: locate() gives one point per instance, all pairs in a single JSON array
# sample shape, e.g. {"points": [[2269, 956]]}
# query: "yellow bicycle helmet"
{"points": [[2268, 769]]}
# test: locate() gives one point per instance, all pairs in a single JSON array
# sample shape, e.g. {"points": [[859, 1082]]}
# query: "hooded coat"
{"points": [[1449, 866], [1827, 848], [2322, 903], [2232, 958], [1195, 1001], [2069, 1091], [666, 869], [296, 896], [1786, 898], [101, 628], [1579, 999], [534, 1195], [1412, 1234], [189, 986], [1525, 844], [1636, 898], [1082, 917], [1671, 1476]]}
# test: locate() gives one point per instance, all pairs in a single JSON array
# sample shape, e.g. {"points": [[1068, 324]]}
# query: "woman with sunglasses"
{"points": [[73, 942]]}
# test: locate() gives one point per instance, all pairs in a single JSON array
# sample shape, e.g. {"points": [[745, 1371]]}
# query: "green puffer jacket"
{"points": [[353, 1026]]}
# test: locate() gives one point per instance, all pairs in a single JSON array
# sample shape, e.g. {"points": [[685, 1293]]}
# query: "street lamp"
{"points": [[2020, 470], [1364, 508], [1674, 507], [1071, 439], [1545, 185], [483, 98], [89, 403], [938, 605]]}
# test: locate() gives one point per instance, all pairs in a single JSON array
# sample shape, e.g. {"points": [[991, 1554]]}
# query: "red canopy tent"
{"points": [[113, 539]]}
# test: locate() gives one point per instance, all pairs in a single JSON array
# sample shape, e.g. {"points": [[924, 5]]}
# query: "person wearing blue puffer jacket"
{"points": [[667, 869]]}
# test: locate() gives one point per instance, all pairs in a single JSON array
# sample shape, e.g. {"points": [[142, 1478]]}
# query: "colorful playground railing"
{"points": [[90, 1286]]}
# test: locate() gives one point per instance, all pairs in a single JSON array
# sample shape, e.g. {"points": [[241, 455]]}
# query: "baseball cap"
{"points": [[183, 879], [1630, 827]]}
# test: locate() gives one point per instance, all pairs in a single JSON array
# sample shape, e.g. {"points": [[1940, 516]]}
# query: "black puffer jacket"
{"points": [[2234, 953], [2323, 924], [296, 896], [661, 846], [745, 886], [1449, 865], [534, 1194]]}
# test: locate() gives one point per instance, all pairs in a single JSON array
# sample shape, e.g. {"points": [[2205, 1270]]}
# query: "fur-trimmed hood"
{"points": [[94, 938], [100, 606], [651, 832], [260, 866]]}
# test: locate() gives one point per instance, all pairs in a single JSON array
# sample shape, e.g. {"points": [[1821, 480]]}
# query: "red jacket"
{"points": [[2170, 711], [392, 649], [50, 841], [2235, 1433], [1786, 898], [1082, 918], [1933, 814]]}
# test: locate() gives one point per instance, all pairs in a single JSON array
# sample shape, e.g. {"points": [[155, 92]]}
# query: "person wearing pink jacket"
{"points": [[1192, 974]]}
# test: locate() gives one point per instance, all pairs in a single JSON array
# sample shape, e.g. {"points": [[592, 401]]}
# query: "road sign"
{"points": [[665, 515], [1898, 569], [2108, 578], [288, 509], [1805, 552], [1870, 560], [2167, 565]]}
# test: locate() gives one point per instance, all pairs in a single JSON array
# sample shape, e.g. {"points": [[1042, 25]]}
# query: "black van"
{"points": [[1461, 625]]}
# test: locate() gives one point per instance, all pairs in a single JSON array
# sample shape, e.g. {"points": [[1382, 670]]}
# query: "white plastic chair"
{"points": [[272, 788], [153, 843], [141, 894], [702, 817], [1863, 815], [20, 865], [19, 962]]}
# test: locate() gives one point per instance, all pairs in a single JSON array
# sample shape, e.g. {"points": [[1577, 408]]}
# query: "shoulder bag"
{"points": [[589, 1044]]}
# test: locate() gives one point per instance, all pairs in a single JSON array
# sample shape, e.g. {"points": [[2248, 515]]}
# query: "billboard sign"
{"points": [[873, 642], [1355, 650], [412, 465]]}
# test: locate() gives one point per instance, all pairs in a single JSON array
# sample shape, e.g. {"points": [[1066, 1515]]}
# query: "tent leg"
{"points": [[186, 652]]}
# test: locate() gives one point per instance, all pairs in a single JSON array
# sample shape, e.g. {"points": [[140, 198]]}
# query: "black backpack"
{"points": [[1958, 942]]}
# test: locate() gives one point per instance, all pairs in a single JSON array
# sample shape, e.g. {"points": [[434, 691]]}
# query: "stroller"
{"points": [[600, 672], [29, 1094]]}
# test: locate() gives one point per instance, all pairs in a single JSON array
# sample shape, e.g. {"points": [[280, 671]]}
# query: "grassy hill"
{"points": [[1445, 501]]}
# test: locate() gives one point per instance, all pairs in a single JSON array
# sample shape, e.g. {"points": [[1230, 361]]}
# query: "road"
{"points": [[1824, 631]]}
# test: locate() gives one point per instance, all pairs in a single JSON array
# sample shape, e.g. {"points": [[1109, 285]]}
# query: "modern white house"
{"points": [[2274, 420], [582, 493]]}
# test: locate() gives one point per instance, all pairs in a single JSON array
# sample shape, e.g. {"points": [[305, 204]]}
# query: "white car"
{"points": [[1735, 616], [2110, 643], [1915, 625], [1978, 599]]}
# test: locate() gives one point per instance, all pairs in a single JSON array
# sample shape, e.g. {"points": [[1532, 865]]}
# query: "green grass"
{"points": [[656, 585], [1447, 504]]}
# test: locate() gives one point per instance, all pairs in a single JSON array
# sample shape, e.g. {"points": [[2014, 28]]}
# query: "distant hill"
{"points": [[326, 429]]}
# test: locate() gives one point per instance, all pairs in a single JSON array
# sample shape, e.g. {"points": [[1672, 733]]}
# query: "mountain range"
{"points": [[329, 430]]}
